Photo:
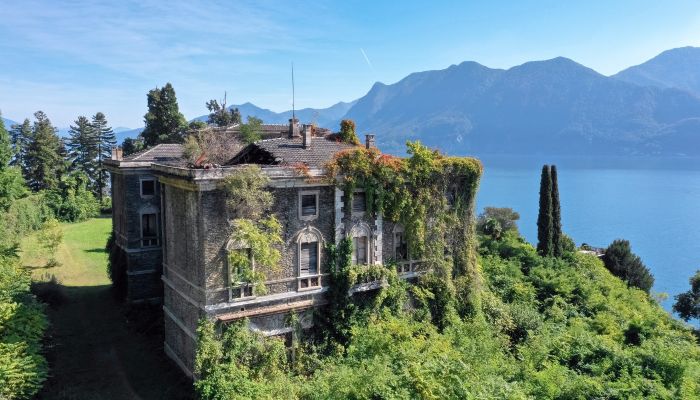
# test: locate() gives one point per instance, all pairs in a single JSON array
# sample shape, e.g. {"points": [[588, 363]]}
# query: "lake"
{"points": [[657, 210]]}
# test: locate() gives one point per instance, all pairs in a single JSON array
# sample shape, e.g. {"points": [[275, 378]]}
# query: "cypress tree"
{"points": [[12, 185], [544, 218], [44, 158], [104, 141], [557, 248], [164, 122]]}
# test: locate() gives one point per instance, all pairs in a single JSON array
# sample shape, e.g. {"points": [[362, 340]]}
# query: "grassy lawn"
{"points": [[97, 347]]}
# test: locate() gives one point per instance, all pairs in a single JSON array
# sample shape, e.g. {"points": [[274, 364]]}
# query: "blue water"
{"points": [[657, 210]]}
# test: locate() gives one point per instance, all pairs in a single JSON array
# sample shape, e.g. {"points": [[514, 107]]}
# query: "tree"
{"points": [[21, 136], [544, 218], [219, 115], [557, 240], [250, 131], [12, 184], [164, 122], [51, 236], [44, 157], [621, 262], [82, 151], [104, 141], [347, 132], [130, 145], [688, 303], [506, 218]]}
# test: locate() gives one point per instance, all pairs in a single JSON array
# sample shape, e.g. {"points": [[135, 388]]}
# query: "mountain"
{"points": [[676, 68], [326, 117], [544, 107], [8, 123]]}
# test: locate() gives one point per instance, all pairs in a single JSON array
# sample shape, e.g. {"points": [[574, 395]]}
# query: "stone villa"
{"points": [[170, 225]]}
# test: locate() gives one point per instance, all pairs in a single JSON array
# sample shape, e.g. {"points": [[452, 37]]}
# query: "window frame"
{"points": [[239, 290], [147, 179], [302, 193], [352, 203], [150, 239], [358, 231], [309, 281]]}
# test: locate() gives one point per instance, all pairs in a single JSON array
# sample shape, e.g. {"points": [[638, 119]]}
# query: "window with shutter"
{"points": [[149, 230], [359, 203], [360, 244], [308, 205], [308, 259], [400, 247]]}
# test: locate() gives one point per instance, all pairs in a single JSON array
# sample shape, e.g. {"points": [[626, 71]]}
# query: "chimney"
{"points": [[369, 141], [294, 128], [117, 153], [308, 129]]}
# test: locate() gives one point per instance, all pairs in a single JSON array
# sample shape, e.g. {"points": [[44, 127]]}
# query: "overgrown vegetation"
{"points": [[253, 250], [687, 304], [347, 132], [626, 265]]}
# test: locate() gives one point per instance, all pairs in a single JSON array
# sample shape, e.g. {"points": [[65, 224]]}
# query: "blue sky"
{"points": [[73, 58]]}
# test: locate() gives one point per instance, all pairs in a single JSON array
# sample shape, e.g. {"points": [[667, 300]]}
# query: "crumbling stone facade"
{"points": [[186, 264]]}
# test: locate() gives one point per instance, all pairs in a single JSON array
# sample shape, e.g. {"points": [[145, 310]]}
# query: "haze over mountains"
{"points": [[546, 107]]}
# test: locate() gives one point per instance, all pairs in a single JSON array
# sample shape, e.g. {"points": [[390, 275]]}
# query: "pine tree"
{"points": [[544, 218], [44, 160], [164, 122], [104, 141], [21, 136], [557, 246], [5, 146], [82, 151]]}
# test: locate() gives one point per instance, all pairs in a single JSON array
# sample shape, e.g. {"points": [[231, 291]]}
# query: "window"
{"points": [[400, 247], [149, 230], [360, 250], [309, 247], [148, 187], [359, 202], [308, 205], [240, 288]]}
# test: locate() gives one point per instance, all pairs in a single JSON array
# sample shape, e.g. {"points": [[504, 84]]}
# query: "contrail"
{"points": [[366, 58]]}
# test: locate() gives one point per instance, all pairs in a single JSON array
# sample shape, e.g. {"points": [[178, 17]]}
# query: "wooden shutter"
{"points": [[361, 250], [308, 259], [359, 203]]}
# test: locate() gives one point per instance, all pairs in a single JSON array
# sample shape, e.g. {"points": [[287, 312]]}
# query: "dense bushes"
{"points": [[116, 267], [23, 368], [548, 328]]}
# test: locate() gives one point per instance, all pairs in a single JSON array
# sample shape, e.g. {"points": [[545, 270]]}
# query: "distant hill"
{"points": [[8, 123], [325, 117], [675, 68], [544, 107]]}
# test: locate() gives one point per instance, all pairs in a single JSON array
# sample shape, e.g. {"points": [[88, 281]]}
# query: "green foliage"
{"points": [[220, 115], [347, 132], [21, 136], [5, 146], [246, 193], [104, 141], [44, 159], [72, 200], [626, 265], [545, 224], [250, 131], [116, 267], [505, 217], [12, 187], [687, 304], [259, 254], [130, 146], [164, 122], [51, 236], [557, 239], [23, 368]]}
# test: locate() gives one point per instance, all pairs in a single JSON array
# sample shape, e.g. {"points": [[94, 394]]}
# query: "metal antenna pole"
{"points": [[293, 114]]}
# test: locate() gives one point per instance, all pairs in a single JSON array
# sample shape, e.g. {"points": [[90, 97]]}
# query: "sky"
{"points": [[71, 58]]}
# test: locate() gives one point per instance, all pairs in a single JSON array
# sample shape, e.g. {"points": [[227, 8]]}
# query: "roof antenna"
{"points": [[293, 115]]}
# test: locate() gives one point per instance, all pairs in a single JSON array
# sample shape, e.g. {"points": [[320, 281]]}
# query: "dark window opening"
{"points": [[148, 187], [360, 245], [149, 230], [308, 205], [401, 247]]}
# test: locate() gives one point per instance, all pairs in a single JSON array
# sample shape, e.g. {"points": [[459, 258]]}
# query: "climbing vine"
{"points": [[256, 239], [432, 196]]}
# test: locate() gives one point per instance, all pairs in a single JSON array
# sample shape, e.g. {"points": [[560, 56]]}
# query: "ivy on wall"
{"points": [[432, 196], [257, 239]]}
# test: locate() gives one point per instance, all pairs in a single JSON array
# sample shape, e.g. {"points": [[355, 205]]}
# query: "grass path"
{"points": [[98, 349]]}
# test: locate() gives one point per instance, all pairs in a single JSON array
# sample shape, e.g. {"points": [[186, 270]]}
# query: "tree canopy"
{"points": [[164, 122]]}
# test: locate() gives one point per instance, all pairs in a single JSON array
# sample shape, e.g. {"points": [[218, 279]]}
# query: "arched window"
{"points": [[150, 233], [309, 244], [401, 256], [361, 244]]}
